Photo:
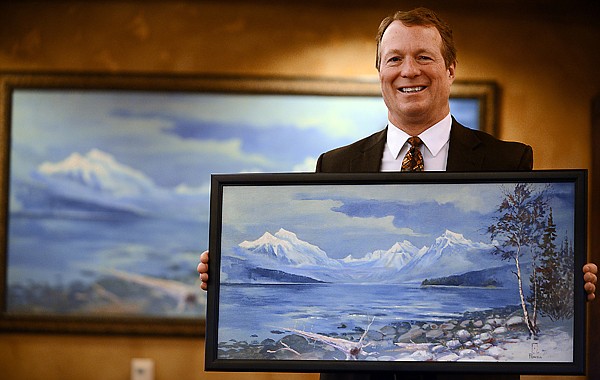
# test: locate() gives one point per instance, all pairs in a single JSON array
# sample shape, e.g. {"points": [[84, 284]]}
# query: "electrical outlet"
{"points": [[142, 369]]}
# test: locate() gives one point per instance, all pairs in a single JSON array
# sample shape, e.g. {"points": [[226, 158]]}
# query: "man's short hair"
{"points": [[420, 17]]}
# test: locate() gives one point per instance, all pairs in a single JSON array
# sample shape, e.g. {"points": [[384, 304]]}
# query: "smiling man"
{"points": [[416, 61]]}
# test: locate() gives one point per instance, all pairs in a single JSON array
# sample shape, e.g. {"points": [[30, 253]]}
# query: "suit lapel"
{"points": [[369, 160], [462, 152]]}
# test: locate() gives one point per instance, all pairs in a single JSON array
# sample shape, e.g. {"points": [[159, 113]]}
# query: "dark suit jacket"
{"points": [[469, 151]]}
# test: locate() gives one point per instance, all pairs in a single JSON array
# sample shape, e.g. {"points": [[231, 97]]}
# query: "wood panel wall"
{"points": [[543, 54]]}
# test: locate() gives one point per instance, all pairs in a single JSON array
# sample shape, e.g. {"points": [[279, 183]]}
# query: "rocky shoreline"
{"points": [[476, 336]]}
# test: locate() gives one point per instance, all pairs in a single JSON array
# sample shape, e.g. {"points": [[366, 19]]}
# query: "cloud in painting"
{"points": [[277, 147], [250, 211], [430, 217]]}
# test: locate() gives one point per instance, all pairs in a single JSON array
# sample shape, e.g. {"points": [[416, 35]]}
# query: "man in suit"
{"points": [[416, 61], [469, 150]]}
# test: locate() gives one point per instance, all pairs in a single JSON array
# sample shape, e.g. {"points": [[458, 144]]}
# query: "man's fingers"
{"points": [[202, 268], [590, 277], [591, 297], [590, 268], [589, 287]]}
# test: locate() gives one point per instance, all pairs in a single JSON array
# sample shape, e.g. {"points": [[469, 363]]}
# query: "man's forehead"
{"points": [[415, 36]]}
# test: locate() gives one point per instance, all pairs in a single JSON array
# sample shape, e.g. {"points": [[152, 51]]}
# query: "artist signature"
{"points": [[535, 351]]}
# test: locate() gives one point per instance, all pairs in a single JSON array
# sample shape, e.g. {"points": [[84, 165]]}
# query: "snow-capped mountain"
{"points": [[400, 254], [99, 171], [286, 248], [451, 254], [97, 183]]}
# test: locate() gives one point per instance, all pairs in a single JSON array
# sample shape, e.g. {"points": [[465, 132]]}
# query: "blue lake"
{"points": [[46, 249], [253, 312]]}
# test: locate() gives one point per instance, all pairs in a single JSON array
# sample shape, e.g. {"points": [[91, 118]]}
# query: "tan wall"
{"points": [[546, 62]]}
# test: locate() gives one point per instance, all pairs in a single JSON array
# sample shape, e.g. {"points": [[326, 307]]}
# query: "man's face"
{"points": [[415, 82]]}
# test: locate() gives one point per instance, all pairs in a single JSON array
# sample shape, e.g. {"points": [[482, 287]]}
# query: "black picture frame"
{"points": [[272, 309]]}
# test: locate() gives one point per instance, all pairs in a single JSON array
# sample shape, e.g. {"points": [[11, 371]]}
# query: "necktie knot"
{"points": [[415, 141], [413, 160]]}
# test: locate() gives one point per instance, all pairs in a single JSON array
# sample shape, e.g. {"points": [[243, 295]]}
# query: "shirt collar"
{"points": [[434, 138]]}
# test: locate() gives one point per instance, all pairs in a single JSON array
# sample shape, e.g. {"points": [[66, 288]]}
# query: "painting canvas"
{"points": [[108, 179], [344, 272]]}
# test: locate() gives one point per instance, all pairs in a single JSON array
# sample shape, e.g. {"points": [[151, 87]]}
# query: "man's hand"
{"points": [[590, 277], [203, 270]]}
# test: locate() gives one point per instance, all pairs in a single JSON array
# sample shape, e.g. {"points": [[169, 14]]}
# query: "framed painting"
{"points": [[105, 183], [445, 272]]}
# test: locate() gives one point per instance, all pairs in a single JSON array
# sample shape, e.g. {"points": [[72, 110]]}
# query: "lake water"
{"points": [[253, 312], [71, 256]]}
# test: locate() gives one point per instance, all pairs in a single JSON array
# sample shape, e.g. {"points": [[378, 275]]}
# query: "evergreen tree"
{"points": [[556, 275]]}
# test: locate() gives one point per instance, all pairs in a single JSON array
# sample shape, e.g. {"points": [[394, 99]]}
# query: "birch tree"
{"points": [[516, 230]]}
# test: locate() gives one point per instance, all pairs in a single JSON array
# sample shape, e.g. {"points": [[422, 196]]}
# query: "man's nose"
{"points": [[409, 68]]}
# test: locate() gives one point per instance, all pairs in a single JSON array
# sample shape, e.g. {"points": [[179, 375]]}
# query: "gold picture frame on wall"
{"points": [[105, 182]]}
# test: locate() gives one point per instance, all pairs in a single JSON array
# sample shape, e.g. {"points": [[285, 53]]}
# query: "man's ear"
{"points": [[452, 71]]}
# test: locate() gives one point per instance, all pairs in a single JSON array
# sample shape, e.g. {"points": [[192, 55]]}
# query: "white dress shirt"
{"points": [[435, 139]]}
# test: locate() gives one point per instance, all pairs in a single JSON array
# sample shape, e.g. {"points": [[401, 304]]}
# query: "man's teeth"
{"points": [[412, 89]]}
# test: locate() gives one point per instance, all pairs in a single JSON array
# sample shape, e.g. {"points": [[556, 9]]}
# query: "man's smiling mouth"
{"points": [[410, 90]]}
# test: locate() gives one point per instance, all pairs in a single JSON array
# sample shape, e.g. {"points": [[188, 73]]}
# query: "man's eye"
{"points": [[394, 59], [424, 58]]}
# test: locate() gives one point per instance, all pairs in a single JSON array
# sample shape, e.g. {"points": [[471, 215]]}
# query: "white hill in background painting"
{"points": [[101, 172], [98, 183]]}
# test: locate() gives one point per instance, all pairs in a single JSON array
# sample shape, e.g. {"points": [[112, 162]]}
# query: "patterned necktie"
{"points": [[413, 161]]}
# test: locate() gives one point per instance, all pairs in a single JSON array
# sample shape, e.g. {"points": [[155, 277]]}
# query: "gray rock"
{"points": [[447, 326], [453, 344], [463, 335], [467, 353], [374, 336], [411, 335], [486, 337], [434, 334], [439, 349], [515, 320], [388, 330], [494, 322]]}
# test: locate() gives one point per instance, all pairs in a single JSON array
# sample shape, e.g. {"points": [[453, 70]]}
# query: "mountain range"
{"points": [[281, 256]]}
